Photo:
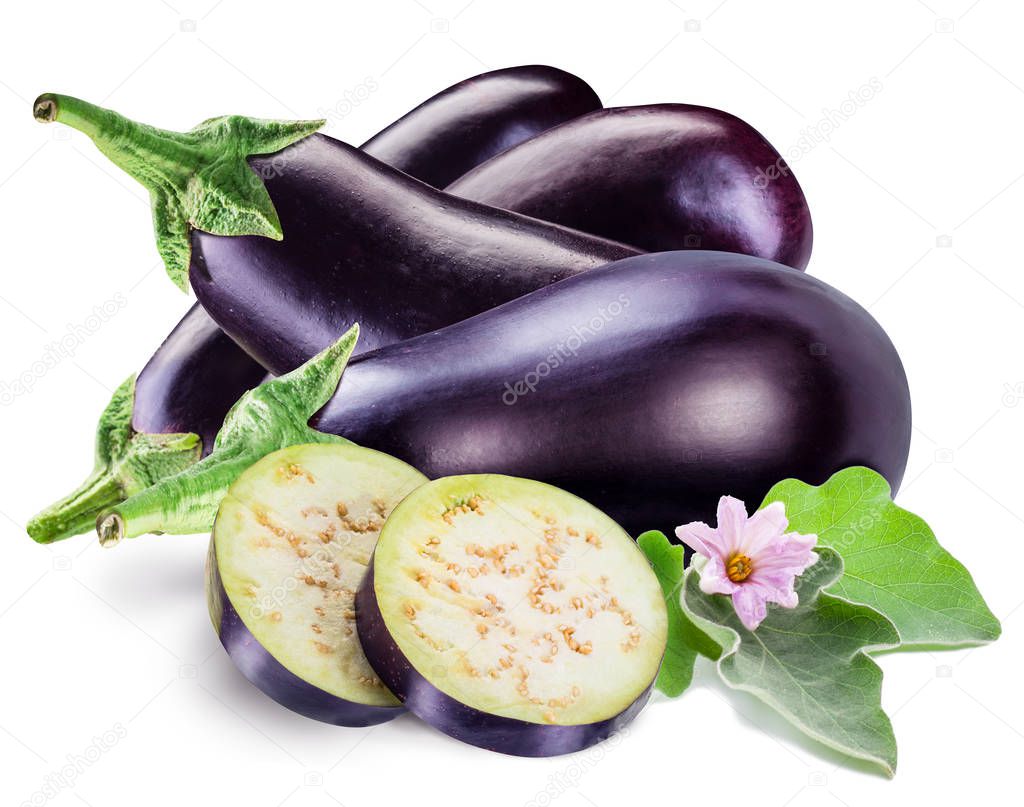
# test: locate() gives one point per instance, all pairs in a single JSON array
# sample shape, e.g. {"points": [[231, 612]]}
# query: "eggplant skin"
{"points": [[366, 243], [438, 709], [649, 387], [660, 177], [470, 122], [192, 380], [268, 674]]}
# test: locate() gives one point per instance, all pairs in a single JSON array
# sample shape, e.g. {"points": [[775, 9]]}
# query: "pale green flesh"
{"points": [[293, 538], [520, 600]]}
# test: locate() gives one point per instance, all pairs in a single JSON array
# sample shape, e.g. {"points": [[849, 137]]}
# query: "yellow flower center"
{"points": [[738, 568]]}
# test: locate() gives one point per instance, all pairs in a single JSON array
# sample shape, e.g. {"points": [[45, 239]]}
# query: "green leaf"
{"points": [[200, 178], [273, 415], [893, 562], [685, 640], [808, 663]]}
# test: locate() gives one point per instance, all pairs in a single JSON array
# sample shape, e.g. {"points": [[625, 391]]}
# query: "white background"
{"points": [[917, 201]]}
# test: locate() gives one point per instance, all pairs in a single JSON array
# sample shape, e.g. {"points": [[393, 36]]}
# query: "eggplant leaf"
{"points": [[685, 640], [892, 560], [808, 663]]}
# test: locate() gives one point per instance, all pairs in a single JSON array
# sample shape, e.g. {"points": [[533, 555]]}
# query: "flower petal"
{"points": [[750, 606], [764, 527], [732, 518], [773, 578], [787, 598], [791, 551], [714, 580], [701, 538]]}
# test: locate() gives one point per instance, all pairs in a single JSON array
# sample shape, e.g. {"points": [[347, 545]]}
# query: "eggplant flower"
{"points": [[754, 560]]}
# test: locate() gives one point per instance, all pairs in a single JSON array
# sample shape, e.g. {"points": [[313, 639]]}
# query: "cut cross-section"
{"points": [[290, 546], [512, 615]]}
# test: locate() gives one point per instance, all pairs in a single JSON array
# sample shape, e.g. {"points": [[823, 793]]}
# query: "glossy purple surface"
{"points": [[459, 720], [459, 128], [649, 387], [273, 678], [199, 372], [660, 177], [192, 380], [366, 243]]}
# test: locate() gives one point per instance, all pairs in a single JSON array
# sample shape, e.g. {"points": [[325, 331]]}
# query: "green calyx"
{"points": [[127, 462], [198, 178], [274, 415]]}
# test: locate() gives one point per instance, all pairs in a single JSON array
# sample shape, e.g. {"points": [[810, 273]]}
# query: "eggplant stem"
{"points": [[272, 416], [76, 512], [198, 178], [45, 109], [125, 463], [110, 529]]}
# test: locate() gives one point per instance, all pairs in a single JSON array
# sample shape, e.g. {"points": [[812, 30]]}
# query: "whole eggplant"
{"points": [[660, 177], [649, 387], [470, 122], [198, 371], [366, 243]]}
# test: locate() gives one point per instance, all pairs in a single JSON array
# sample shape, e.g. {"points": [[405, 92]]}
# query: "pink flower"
{"points": [[752, 559]]}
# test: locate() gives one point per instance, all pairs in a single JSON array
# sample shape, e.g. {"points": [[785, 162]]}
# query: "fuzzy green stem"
{"points": [[272, 416], [140, 150], [200, 178], [76, 513], [184, 503], [126, 462]]}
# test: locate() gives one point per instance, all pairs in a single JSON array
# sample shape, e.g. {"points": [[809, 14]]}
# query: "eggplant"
{"points": [[659, 177], [470, 122], [511, 615], [290, 546], [369, 244], [198, 372], [649, 387], [192, 380]]}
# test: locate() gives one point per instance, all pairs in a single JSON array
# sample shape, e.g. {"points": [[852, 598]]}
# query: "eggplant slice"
{"points": [[291, 543], [512, 615]]}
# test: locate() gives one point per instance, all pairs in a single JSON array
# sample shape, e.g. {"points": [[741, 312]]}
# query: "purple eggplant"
{"points": [[192, 381], [198, 372], [369, 244], [470, 122], [511, 615], [661, 177], [649, 387]]}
